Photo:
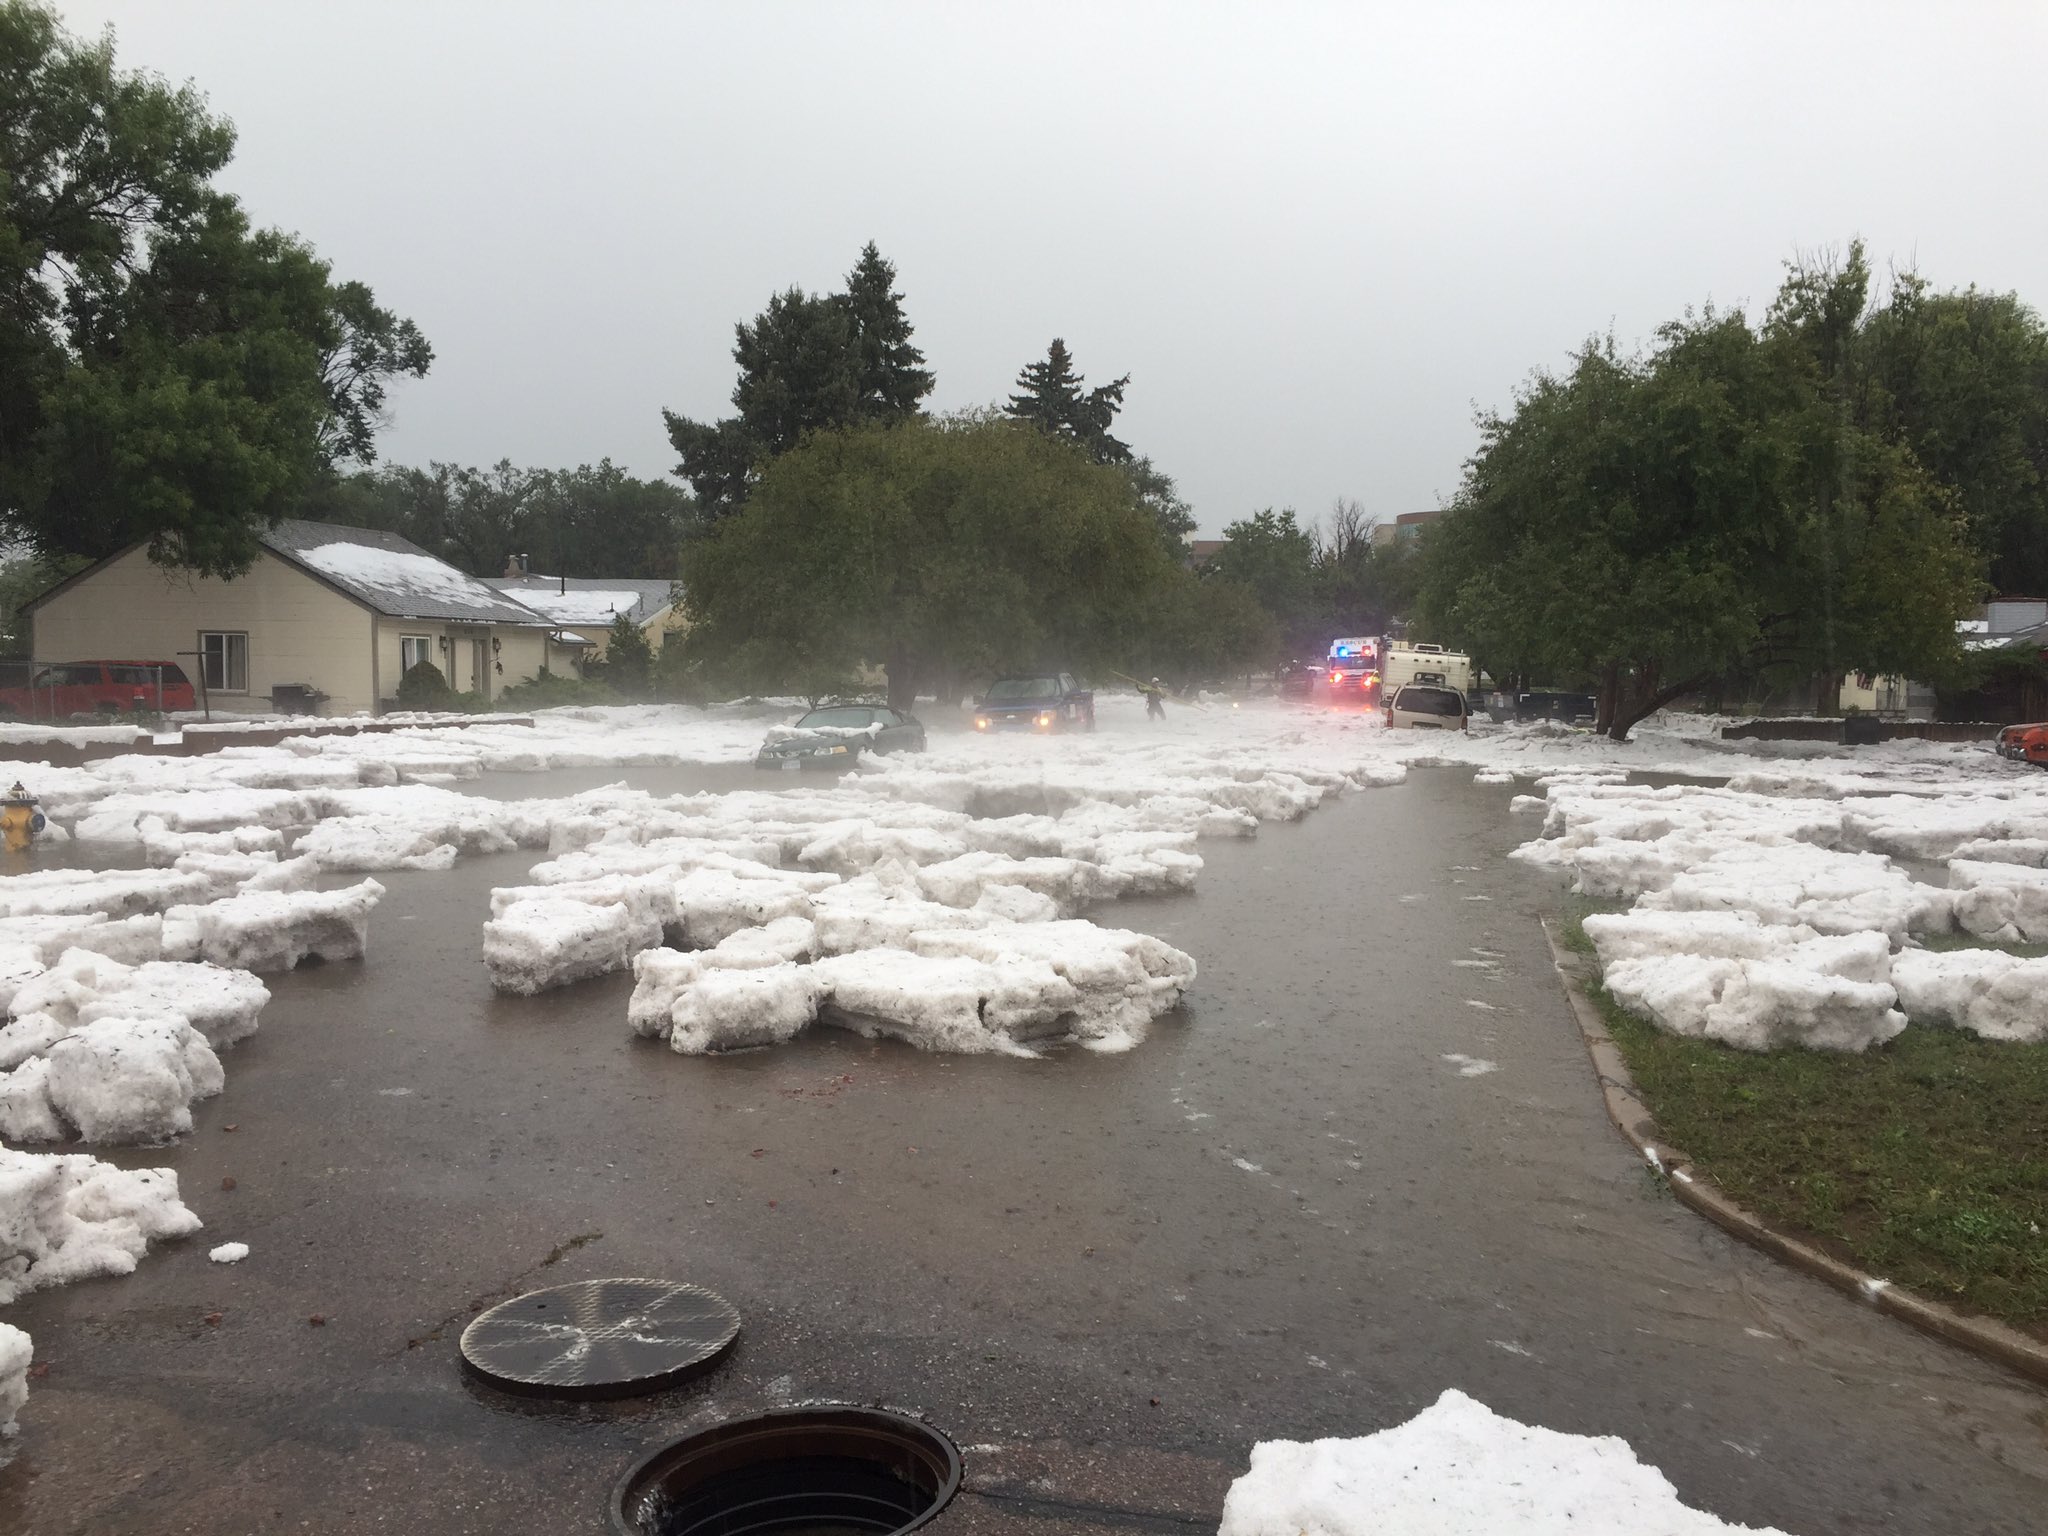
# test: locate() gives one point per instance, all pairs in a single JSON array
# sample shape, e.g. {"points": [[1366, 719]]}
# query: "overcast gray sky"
{"points": [[1314, 236]]}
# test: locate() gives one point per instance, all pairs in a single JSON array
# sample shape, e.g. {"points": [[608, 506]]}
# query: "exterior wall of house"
{"points": [[1892, 696], [299, 631], [522, 653], [463, 653], [665, 623], [566, 659], [599, 636]]}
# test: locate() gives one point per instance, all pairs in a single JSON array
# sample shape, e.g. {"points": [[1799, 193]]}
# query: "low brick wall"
{"points": [[1808, 728]]}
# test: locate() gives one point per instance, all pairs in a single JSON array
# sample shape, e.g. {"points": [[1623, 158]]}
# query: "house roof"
{"points": [[392, 575], [589, 599], [1977, 635]]}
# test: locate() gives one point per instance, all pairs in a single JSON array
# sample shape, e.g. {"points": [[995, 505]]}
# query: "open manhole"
{"points": [[794, 1472], [599, 1338]]}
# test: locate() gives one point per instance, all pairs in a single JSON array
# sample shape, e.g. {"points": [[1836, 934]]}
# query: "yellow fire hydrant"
{"points": [[21, 818]]}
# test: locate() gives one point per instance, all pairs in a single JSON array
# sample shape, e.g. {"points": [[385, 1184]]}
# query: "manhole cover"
{"points": [[599, 1338]]}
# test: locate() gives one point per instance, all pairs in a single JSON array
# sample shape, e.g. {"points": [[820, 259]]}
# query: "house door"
{"points": [[479, 669]]}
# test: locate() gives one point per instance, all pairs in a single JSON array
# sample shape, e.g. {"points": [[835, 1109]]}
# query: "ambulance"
{"points": [[1354, 665]]}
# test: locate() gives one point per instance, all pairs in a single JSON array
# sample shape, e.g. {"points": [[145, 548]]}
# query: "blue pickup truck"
{"points": [[1042, 702]]}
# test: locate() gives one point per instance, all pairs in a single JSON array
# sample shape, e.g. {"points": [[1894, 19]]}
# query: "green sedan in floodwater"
{"points": [[837, 735]]}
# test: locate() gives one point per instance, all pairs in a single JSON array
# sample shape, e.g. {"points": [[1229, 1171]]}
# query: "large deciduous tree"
{"points": [[168, 373], [1171, 514], [1361, 584], [1271, 556], [1962, 381], [1199, 631], [807, 363], [1714, 509], [929, 548]]}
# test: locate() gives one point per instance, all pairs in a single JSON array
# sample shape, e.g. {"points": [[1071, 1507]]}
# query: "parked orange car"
{"points": [[2014, 740], [2034, 745]]}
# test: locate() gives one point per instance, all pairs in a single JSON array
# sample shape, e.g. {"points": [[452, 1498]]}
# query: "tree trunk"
{"points": [[1827, 692], [1644, 699], [948, 687], [903, 671], [1629, 696], [1603, 709]]}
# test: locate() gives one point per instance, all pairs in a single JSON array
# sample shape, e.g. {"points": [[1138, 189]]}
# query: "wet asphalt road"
{"points": [[1287, 1214]]}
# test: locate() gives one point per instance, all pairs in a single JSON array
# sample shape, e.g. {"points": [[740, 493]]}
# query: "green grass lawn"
{"points": [[1924, 1161]]}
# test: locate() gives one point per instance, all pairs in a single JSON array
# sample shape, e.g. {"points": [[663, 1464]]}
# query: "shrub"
{"points": [[548, 690], [424, 688]]}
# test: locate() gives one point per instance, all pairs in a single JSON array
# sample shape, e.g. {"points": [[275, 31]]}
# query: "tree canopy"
{"points": [[587, 521], [1171, 514], [1202, 629], [1312, 581], [807, 363], [169, 373], [1961, 379], [1273, 558], [930, 548], [1717, 507], [1361, 585]]}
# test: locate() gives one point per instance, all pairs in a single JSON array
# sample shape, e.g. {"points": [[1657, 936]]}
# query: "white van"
{"points": [[1429, 707], [1425, 664]]}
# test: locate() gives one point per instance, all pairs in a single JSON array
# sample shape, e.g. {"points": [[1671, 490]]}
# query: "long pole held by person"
{"points": [[1154, 691]]}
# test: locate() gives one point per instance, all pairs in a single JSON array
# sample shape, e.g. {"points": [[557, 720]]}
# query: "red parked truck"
{"points": [[58, 690]]}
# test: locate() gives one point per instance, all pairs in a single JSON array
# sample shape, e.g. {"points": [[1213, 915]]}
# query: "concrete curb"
{"points": [[1993, 1340]]}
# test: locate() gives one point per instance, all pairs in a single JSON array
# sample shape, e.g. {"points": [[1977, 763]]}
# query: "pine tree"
{"points": [[890, 375], [807, 363], [1050, 391], [797, 370], [628, 658], [1052, 401]]}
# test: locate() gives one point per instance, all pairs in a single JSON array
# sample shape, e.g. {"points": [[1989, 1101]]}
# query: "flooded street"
{"points": [[1367, 1161]]}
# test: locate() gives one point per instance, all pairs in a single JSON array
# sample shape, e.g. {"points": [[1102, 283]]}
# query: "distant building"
{"points": [[583, 608], [2010, 615], [2016, 625], [1403, 527], [1199, 551], [1893, 697]]}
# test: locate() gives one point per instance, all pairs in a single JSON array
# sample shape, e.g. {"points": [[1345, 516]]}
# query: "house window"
{"points": [[224, 661], [412, 650]]}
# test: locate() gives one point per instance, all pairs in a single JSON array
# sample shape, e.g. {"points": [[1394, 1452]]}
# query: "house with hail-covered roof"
{"points": [[328, 618], [584, 608]]}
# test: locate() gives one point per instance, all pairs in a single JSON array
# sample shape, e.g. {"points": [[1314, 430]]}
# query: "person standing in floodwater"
{"points": [[1155, 699]]}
